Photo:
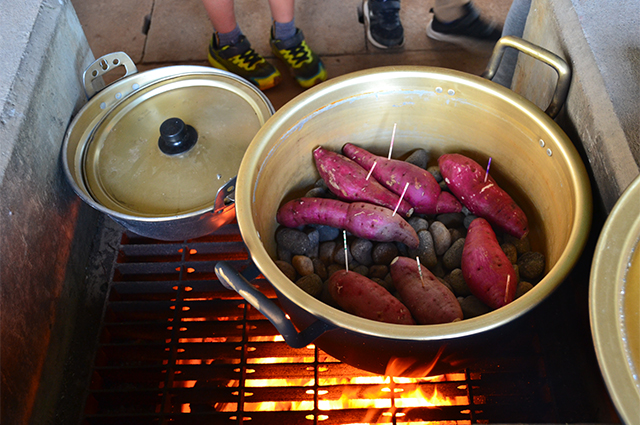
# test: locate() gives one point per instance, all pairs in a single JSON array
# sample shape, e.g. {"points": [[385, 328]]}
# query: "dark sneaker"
{"points": [[242, 60], [306, 66], [470, 32], [382, 22]]}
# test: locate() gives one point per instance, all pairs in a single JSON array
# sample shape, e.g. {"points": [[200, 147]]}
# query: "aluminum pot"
{"points": [[159, 151], [441, 111]]}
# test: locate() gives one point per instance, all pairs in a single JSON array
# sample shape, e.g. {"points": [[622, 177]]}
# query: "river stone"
{"points": [[451, 219], [468, 219], [327, 233], [510, 251], [361, 251], [473, 307], [293, 240], [522, 245], [384, 253], [457, 283], [441, 237], [457, 233], [386, 285], [287, 269], [316, 192], [325, 252], [363, 270], [311, 284], [284, 254], [378, 270], [419, 158], [314, 240], [302, 264], [531, 265], [319, 268], [418, 223], [523, 288], [435, 172], [425, 251]]}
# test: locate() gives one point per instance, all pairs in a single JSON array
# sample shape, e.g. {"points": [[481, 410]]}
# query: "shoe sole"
{"points": [[262, 83], [367, 26], [468, 43], [316, 79]]}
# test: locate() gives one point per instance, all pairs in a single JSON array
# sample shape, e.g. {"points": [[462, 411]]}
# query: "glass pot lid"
{"points": [[166, 148]]}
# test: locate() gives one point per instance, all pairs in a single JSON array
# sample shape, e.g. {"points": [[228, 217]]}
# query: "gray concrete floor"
{"points": [[179, 32]]}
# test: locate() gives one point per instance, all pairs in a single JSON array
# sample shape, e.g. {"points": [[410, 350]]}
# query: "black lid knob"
{"points": [[176, 137]]}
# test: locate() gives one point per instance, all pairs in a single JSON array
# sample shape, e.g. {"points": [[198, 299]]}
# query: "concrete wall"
{"points": [[45, 230], [601, 43]]}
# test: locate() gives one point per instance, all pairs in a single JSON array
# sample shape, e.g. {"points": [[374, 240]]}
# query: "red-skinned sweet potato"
{"points": [[428, 300], [348, 181], [363, 297], [362, 219], [485, 267], [466, 179], [423, 192]]}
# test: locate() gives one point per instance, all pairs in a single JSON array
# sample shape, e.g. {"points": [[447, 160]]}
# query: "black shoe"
{"points": [[382, 21], [470, 32]]}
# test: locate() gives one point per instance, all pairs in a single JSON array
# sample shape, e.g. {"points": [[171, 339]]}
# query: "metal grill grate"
{"points": [[177, 347]]}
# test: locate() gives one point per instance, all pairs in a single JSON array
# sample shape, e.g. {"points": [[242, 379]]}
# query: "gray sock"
{"points": [[284, 31], [232, 37]]}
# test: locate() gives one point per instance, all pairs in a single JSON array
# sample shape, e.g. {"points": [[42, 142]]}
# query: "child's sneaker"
{"points": [[382, 23], [470, 32], [306, 66], [242, 60]]}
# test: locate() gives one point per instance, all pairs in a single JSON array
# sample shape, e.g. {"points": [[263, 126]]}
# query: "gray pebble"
{"points": [[321, 183], [451, 219], [438, 271], [446, 284], [468, 219], [338, 255], [419, 157], [334, 268], [531, 265], [402, 249], [320, 268], [523, 288], [443, 185], [435, 172], [311, 284], [314, 240], [378, 270], [325, 252], [361, 251], [327, 233], [384, 253], [293, 240], [441, 237], [287, 269], [425, 251], [465, 210], [316, 192], [510, 251], [453, 257], [457, 233], [284, 254], [302, 264], [473, 307], [522, 245], [386, 285], [418, 223], [457, 283], [363, 270]]}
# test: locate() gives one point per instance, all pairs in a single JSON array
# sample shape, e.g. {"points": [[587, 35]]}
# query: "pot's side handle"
{"points": [[103, 65], [543, 55], [232, 279]]}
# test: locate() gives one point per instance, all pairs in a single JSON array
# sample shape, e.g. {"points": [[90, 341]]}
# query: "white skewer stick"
{"points": [[420, 271], [401, 196], [393, 136], [346, 253], [487, 173], [371, 170]]}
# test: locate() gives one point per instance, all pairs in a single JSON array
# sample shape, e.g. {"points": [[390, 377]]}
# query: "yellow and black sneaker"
{"points": [[306, 66], [242, 60]]}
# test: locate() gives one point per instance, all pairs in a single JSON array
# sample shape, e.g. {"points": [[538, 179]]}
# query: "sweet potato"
{"points": [[423, 192], [362, 219], [363, 297], [466, 179], [428, 300], [486, 268], [348, 181]]}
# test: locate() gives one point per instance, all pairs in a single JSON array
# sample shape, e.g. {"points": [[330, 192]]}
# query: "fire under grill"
{"points": [[176, 347]]}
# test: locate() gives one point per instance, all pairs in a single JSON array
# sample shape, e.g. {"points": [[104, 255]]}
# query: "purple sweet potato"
{"points": [[348, 181], [362, 219], [466, 179], [486, 268], [363, 297], [428, 300], [423, 192]]}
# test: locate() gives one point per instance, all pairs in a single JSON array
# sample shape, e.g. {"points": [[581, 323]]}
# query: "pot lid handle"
{"points": [[232, 279], [543, 55], [176, 137], [91, 77]]}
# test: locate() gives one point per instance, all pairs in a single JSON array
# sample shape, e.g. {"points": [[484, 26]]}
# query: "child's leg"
{"points": [[222, 14], [449, 10], [282, 10]]}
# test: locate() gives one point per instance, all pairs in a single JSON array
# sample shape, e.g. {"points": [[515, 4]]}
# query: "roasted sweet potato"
{"points": [[348, 181], [428, 300], [423, 192], [466, 179], [363, 297], [486, 268], [362, 219]]}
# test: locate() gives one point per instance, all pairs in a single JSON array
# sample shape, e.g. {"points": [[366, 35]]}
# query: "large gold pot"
{"points": [[439, 110]]}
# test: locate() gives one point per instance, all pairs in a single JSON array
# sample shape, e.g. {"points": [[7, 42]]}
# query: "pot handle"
{"points": [[232, 279], [225, 196], [103, 65], [543, 55]]}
